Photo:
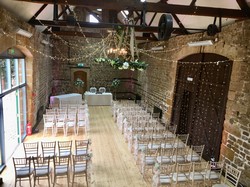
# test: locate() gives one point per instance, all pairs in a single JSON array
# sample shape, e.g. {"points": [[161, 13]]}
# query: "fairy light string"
{"points": [[99, 49]]}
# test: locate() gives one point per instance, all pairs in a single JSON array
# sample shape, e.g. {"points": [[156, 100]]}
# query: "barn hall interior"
{"points": [[186, 62]]}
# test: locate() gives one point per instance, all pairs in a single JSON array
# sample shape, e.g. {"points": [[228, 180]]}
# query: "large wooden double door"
{"points": [[201, 90]]}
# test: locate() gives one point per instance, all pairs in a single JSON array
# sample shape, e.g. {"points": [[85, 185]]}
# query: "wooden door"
{"points": [[200, 97], [83, 76]]}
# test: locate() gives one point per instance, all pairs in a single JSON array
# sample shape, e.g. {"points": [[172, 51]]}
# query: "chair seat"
{"points": [[196, 176], [24, 172], [49, 124], [167, 145], [71, 124], [60, 124], [213, 175], [154, 146], [193, 158], [165, 179], [178, 158], [65, 153], [163, 159], [149, 161], [61, 170], [81, 123], [181, 177], [81, 152], [42, 171], [80, 169]]}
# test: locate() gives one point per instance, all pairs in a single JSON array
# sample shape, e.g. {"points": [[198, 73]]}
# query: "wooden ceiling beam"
{"points": [[138, 28], [38, 12], [92, 35], [151, 7], [244, 7]]}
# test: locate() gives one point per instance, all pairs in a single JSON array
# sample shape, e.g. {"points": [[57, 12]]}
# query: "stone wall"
{"points": [[159, 80]]}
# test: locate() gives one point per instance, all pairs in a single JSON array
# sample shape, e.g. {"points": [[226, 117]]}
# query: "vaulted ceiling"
{"points": [[189, 16]]}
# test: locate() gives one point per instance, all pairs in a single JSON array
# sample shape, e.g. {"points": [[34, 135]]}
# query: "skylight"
{"points": [[92, 19]]}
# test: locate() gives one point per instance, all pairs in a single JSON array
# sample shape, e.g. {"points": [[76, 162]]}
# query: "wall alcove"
{"points": [[200, 96], [82, 73]]}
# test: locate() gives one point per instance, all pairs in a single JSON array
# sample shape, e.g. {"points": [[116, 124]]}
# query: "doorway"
{"points": [[82, 74], [200, 97]]}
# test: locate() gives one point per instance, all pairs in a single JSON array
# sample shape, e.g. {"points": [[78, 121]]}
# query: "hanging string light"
{"points": [[100, 49]]}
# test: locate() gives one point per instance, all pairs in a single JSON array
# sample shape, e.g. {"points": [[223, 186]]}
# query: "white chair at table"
{"points": [[82, 122], [49, 123], [93, 89], [61, 122], [71, 122], [102, 90]]}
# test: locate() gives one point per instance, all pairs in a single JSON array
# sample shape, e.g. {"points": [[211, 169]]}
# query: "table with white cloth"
{"points": [[96, 99], [73, 98]]}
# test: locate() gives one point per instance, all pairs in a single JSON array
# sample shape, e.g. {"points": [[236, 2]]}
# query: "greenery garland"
{"points": [[118, 63]]}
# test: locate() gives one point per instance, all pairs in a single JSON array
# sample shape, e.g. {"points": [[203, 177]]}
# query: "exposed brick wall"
{"points": [[159, 80], [100, 74], [38, 66]]}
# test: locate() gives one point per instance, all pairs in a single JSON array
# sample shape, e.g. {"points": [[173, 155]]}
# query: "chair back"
{"points": [[22, 167], [61, 165], [102, 90], [31, 149], [49, 120], [79, 163], [80, 167], [81, 147], [41, 165], [93, 89], [182, 172], [64, 148], [168, 169], [232, 175], [48, 148]]}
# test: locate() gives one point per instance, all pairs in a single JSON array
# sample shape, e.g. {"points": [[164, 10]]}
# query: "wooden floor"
{"points": [[112, 163]]}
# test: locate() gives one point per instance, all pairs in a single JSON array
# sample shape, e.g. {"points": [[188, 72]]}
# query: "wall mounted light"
{"points": [[201, 43], [24, 33]]}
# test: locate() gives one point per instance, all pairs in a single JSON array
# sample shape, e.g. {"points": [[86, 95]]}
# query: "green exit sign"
{"points": [[80, 64]]}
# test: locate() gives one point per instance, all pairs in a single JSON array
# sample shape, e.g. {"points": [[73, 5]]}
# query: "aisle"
{"points": [[113, 164]]}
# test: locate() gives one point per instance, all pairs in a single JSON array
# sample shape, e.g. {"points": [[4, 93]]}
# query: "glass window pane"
{"points": [[22, 111], [6, 83], [10, 124], [14, 76], [21, 71], [2, 72]]}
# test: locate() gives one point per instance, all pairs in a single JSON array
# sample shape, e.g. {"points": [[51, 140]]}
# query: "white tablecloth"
{"points": [[98, 99], [72, 98]]}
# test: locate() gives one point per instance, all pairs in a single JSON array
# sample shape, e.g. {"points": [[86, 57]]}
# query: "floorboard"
{"points": [[112, 163]]}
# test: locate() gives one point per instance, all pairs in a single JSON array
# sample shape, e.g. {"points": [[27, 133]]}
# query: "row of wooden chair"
{"points": [[196, 174], [56, 148], [60, 152], [42, 169]]}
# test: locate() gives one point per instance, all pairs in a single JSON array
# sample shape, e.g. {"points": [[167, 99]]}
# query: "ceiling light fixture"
{"points": [[201, 43], [24, 33], [143, 1]]}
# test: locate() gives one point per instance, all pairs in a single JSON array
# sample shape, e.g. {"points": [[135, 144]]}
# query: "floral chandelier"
{"points": [[121, 52]]}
